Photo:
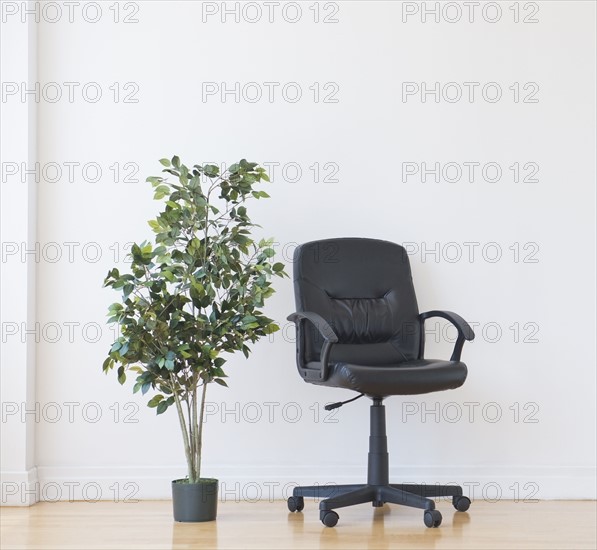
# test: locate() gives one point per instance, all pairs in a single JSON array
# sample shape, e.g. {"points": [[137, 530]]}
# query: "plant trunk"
{"points": [[185, 436], [199, 430], [190, 432], [193, 421]]}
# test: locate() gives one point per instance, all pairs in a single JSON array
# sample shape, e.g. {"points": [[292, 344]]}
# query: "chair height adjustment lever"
{"points": [[333, 406]]}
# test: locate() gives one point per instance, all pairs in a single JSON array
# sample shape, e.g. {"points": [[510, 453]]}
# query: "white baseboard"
{"points": [[252, 483], [19, 488]]}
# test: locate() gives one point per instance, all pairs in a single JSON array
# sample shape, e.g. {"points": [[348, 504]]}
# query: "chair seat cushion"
{"points": [[405, 378]]}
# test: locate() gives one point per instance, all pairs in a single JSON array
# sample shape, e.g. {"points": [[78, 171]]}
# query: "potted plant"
{"points": [[191, 297]]}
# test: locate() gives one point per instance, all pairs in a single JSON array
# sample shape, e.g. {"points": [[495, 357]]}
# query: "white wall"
{"points": [[369, 135], [18, 64]]}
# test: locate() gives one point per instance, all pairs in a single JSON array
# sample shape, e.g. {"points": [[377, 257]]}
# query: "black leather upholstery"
{"points": [[363, 289], [407, 378]]}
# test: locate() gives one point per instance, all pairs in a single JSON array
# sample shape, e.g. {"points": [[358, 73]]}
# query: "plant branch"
{"points": [[183, 427], [199, 429]]}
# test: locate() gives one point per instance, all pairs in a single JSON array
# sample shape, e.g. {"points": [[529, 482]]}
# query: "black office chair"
{"points": [[365, 333]]}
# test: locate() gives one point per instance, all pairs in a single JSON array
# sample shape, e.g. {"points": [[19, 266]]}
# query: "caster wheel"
{"points": [[330, 518], [432, 518], [296, 504], [462, 504]]}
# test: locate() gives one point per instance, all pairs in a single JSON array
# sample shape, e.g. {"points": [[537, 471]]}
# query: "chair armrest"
{"points": [[329, 336], [320, 323], [465, 332]]}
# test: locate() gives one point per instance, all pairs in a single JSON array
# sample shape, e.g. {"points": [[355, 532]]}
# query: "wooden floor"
{"points": [[149, 525]]}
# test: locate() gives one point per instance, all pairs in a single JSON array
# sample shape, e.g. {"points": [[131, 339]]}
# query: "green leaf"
{"points": [[121, 375], [175, 162], [271, 328], [211, 170], [155, 400], [221, 382], [108, 364], [161, 191], [242, 240], [165, 162]]}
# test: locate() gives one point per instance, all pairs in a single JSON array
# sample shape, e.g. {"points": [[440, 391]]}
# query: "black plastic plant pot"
{"points": [[195, 501]]}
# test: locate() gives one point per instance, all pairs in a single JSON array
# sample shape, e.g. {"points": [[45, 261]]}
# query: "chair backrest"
{"points": [[363, 288]]}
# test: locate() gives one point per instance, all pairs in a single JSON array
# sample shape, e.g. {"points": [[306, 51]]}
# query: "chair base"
{"points": [[405, 494], [378, 490]]}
